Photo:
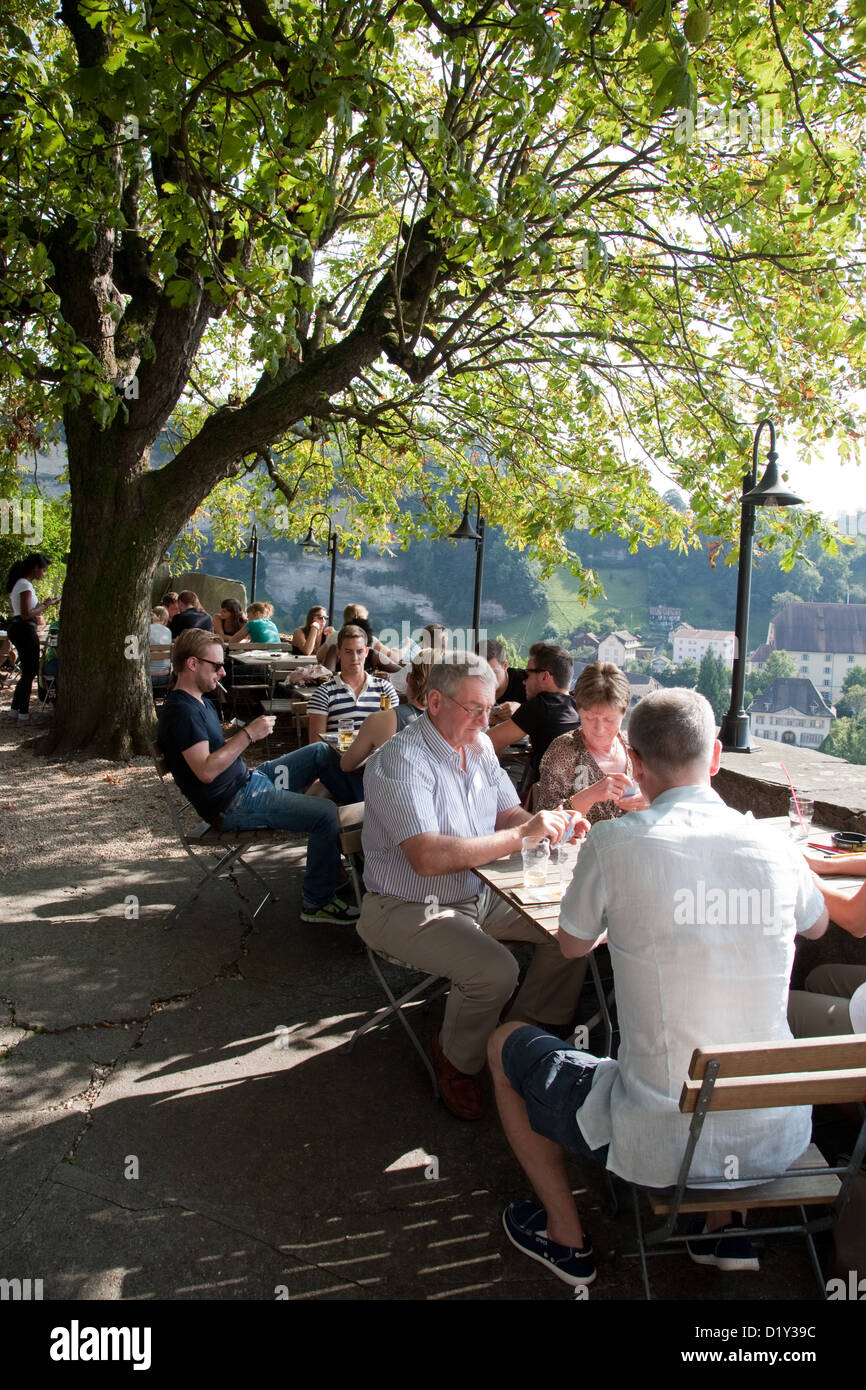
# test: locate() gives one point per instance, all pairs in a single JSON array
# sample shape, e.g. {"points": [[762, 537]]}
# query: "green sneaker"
{"points": [[334, 911]]}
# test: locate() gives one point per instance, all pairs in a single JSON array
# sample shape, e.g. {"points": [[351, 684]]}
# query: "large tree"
{"points": [[372, 250]]}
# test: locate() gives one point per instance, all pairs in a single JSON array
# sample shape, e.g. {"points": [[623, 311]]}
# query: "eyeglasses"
{"points": [[217, 665], [474, 711]]}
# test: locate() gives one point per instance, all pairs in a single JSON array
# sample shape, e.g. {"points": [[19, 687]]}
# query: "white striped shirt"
{"points": [[338, 700], [415, 784]]}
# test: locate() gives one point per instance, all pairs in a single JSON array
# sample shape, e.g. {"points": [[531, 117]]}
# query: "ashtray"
{"points": [[849, 839]]}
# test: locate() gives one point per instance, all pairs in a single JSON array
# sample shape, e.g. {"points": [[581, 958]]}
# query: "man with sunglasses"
{"points": [[212, 775], [438, 805]]}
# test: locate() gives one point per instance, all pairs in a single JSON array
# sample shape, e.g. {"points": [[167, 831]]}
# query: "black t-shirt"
{"points": [[183, 722], [544, 718], [515, 686], [190, 617]]}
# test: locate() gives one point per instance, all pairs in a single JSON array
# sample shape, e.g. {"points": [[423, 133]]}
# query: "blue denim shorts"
{"points": [[554, 1081]]}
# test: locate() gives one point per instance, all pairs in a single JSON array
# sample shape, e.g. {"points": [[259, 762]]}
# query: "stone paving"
{"points": [[178, 1120]]}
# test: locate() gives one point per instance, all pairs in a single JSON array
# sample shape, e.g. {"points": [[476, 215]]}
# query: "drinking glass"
{"points": [[557, 881], [345, 732], [536, 859], [800, 828]]}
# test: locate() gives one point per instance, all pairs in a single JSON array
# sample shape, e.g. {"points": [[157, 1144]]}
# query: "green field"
{"points": [[565, 610]]}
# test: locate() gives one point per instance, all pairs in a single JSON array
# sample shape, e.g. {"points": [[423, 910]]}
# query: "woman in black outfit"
{"points": [[23, 635]]}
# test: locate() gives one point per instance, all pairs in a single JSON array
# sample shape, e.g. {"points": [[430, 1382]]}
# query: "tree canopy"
{"points": [[354, 252]]}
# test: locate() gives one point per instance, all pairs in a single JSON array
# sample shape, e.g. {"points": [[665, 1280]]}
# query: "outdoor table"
{"points": [[539, 907], [283, 661], [846, 883]]}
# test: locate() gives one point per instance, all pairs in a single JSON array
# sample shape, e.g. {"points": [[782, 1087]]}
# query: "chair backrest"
{"points": [[174, 799], [808, 1071], [350, 820], [159, 651]]}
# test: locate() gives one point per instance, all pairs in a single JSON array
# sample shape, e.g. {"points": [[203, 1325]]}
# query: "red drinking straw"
{"points": [[803, 825]]}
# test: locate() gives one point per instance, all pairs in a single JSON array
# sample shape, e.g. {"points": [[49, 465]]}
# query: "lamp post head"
{"points": [[467, 530], [770, 492], [309, 542]]}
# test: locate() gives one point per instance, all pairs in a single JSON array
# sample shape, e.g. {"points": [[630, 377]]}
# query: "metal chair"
{"points": [[230, 845], [811, 1071], [350, 820], [422, 993]]}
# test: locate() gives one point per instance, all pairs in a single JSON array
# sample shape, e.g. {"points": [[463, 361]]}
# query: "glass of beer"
{"points": [[345, 732]]}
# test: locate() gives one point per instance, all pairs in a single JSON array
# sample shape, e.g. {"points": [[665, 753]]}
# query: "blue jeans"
{"points": [[345, 787], [273, 798]]}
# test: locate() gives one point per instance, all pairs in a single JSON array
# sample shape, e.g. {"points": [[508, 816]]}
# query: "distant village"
{"points": [[823, 641]]}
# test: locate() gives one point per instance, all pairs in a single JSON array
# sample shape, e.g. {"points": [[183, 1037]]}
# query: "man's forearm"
{"points": [[222, 758], [847, 913], [447, 854]]}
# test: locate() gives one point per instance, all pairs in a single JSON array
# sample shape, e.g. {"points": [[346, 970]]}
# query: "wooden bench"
{"points": [[809, 1071]]}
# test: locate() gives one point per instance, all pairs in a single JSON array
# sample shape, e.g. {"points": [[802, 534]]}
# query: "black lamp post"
{"points": [[253, 549], [310, 543], [734, 732], [466, 531]]}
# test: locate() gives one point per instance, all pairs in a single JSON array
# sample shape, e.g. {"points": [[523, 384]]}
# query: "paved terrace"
{"points": [[161, 1141]]}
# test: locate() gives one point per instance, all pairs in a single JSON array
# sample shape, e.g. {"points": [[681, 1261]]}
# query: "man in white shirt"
{"points": [[437, 806], [701, 906]]}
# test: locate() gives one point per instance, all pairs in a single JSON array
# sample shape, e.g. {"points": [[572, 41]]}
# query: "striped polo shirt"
{"points": [[415, 784], [337, 700]]}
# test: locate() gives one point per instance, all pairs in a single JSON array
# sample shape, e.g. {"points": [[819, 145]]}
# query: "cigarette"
{"points": [[221, 687]]}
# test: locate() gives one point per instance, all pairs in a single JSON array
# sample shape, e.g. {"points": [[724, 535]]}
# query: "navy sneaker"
{"points": [[335, 911], [729, 1249], [526, 1227]]}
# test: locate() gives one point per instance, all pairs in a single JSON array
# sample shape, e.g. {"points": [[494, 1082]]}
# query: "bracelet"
{"points": [[249, 735]]}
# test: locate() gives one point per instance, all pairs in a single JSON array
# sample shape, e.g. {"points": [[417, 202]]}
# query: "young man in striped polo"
{"points": [[353, 691]]}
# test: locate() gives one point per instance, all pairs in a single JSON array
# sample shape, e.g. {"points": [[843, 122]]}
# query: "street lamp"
{"points": [[310, 543], [734, 732], [253, 549], [466, 531]]}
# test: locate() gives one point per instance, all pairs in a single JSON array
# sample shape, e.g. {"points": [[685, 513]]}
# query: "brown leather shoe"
{"points": [[460, 1093]]}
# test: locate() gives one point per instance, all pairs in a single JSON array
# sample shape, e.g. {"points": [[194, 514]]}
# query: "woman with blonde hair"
{"points": [[258, 626], [589, 769]]}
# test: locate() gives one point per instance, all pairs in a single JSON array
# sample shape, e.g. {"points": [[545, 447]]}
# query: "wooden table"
{"points": [[505, 877], [846, 883]]}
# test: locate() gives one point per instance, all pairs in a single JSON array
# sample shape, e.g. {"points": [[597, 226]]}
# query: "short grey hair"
{"points": [[669, 729], [447, 672]]}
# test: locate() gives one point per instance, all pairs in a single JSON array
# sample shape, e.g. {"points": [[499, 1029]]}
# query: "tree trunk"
{"points": [[104, 704]]}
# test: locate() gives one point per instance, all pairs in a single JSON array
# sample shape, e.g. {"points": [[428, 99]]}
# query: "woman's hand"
{"points": [[635, 802]]}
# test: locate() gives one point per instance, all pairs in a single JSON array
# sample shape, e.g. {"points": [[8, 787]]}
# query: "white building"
{"points": [[824, 641], [618, 647], [693, 643], [791, 711]]}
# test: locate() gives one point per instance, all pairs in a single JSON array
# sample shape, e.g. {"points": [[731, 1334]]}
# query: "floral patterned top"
{"points": [[568, 767]]}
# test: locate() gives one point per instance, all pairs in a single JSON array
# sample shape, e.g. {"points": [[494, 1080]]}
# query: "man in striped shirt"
{"points": [[353, 692], [437, 805]]}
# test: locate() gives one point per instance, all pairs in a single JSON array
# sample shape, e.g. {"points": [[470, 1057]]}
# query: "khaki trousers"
{"points": [[821, 1009], [461, 942]]}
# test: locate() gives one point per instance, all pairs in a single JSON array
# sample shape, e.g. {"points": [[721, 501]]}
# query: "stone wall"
{"points": [[755, 782]]}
